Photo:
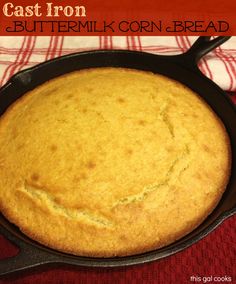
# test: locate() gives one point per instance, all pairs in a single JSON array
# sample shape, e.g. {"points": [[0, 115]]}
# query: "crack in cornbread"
{"points": [[111, 162], [42, 198], [150, 188], [165, 118]]}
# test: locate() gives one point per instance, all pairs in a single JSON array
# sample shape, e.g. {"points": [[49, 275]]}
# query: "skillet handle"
{"points": [[202, 46], [28, 256]]}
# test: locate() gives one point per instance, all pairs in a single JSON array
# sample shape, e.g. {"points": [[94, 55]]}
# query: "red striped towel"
{"points": [[17, 53]]}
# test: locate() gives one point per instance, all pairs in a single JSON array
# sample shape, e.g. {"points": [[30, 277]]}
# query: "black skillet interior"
{"points": [[182, 68]]}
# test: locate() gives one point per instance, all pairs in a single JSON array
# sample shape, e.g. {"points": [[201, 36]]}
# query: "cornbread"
{"points": [[111, 162]]}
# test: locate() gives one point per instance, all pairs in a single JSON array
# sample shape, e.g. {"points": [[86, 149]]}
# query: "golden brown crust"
{"points": [[111, 162]]}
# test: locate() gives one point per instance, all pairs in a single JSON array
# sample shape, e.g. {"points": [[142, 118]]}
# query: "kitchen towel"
{"points": [[18, 53]]}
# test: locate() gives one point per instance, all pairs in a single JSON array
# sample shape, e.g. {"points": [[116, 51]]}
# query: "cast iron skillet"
{"points": [[182, 68]]}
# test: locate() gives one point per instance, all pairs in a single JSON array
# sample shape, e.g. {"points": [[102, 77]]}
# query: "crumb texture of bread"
{"points": [[111, 162]]}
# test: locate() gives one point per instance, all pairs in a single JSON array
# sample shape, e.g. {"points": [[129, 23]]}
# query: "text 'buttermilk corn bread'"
{"points": [[111, 162]]}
